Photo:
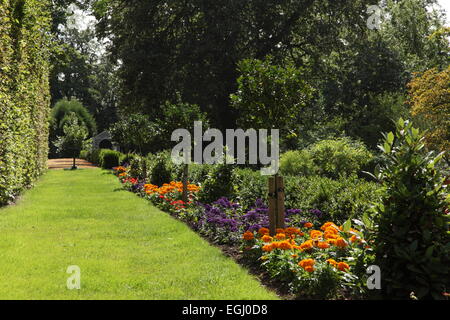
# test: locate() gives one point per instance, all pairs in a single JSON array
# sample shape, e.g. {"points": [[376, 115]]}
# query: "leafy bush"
{"points": [[109, 158], [218, 183], [336, 199], [126, 159], [161, 169], [339, 157], [413, 243], [84, 154], [249, 185], [198, 172], [139, 167], [299, 162]]}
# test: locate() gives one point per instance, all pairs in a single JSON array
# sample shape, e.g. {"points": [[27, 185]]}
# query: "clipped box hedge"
{"points": [[24, 94]]}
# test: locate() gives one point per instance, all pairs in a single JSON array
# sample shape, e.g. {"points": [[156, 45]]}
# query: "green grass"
{"points": [[126, 248]]}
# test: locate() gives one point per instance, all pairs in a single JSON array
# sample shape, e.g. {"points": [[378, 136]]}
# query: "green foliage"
{"points": [[127, 158], [298, 162], [339, 157], [74, 138], [249, 185], [337, 199], [218, 183], [413, 243], [24, 94], [135, 133], [63, 108], [269, 96], [109, 159], [161, 169]]}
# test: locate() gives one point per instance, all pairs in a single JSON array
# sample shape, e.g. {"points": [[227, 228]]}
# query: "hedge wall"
{"points": [[24, 93]]}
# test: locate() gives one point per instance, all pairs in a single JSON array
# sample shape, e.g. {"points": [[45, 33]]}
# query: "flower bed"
{"points": [[309, 257]]}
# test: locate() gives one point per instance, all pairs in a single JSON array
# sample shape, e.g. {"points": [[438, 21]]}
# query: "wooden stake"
{"points": [[185, 183], [272, 206], [280, 202], [276, 204]]}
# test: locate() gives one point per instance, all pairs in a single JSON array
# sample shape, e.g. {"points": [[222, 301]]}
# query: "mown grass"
{"points": [[126, 248]]}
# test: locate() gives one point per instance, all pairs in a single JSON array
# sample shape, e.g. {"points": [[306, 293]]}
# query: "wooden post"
{"points": [[185, 183], [272, 206], [276, 204], [280, 202]]}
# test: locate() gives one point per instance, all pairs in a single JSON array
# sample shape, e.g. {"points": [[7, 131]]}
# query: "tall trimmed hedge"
{"points": [[24, 93]]}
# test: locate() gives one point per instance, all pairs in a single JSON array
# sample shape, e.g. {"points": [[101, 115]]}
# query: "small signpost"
{"points": [[276, 204]]}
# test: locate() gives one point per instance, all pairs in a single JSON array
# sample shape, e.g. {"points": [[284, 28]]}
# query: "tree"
{"points": [[193, 47], [270, 96], [74, 138], [59, 116], [430, 100]]}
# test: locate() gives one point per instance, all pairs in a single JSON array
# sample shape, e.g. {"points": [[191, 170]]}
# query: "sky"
{"points": [[445, 4]]}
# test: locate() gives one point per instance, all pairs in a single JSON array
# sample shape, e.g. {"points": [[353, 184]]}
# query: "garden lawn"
{"points": [[126, 248]]}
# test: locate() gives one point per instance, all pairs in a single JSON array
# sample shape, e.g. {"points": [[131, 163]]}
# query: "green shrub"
{"points": [[339, 157], [249, 185], [84, 154], [127, 158], [160, 169], [298, 162], [93, 156], [218, 183], [198, 173], [337, 199], [109, 158], [139, 167], [413, 242]]}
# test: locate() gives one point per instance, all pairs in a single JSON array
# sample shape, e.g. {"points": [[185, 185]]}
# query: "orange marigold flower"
{"points": [[330, 235], [306, 245], [341, 243], [280, 236], [309, 269], [327, 225], [263, 231], [267, 238], [307, 263], [332, 241], [267, 248], [323, 245], [279, 230], [332, 262], [342, 266], [248, 235], [285, 245], [308, 225], [275, 245], [316, 234]]}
